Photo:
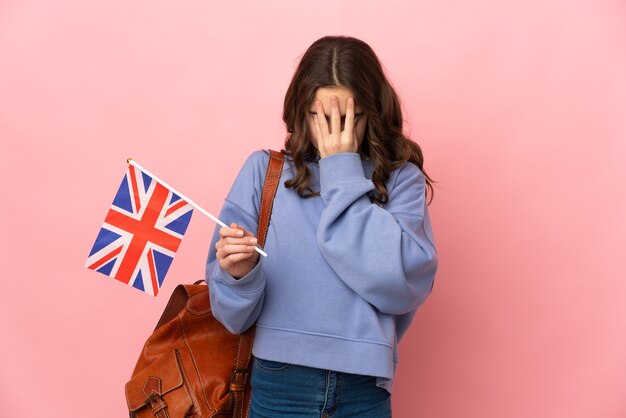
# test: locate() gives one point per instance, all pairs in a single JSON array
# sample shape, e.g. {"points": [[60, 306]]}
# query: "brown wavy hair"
{"points": [[344, 61]]}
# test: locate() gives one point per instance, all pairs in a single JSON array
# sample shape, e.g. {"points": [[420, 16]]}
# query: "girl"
{"points": [[351, 254]]}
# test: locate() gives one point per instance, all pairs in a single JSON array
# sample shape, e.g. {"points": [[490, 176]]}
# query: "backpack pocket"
{"points": [[160, 387]]}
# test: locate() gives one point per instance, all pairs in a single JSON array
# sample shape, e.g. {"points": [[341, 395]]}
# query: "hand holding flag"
{"points": [[142, 231]]}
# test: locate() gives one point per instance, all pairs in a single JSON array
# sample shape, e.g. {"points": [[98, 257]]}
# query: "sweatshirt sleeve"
{"points": [[237, 303], [386, 255]]}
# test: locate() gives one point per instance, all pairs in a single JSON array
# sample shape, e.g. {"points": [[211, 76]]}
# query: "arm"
{"points": [[237, 303], [386, 255]]}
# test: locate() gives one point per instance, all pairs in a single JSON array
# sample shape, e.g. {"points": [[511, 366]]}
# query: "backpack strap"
{"points": [[270, 186], [239, 380]]}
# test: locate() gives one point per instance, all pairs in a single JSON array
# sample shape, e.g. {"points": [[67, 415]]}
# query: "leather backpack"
{"points": [[191, 365]]}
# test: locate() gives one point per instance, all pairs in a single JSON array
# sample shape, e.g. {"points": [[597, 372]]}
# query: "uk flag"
{"points": [[141, 233]]}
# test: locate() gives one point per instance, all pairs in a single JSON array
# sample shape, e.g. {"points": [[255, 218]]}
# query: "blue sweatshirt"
{"points": [[343, 277]]}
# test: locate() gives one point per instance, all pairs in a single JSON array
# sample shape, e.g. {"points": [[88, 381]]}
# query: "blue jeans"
{"points": [[288, 390]]}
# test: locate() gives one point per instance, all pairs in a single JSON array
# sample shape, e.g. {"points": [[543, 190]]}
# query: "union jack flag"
{"points": [[141, 232]]}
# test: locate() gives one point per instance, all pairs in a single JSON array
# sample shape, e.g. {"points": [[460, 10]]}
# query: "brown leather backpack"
{"points": [[191, 365]]}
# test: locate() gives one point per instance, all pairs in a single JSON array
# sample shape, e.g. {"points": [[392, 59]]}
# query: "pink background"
{"points": [[518, 106]]}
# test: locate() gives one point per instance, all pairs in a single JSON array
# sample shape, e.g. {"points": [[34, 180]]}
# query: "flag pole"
{"points": [[185, 198]]}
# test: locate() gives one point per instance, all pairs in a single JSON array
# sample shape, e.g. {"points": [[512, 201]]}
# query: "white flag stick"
{"points": [[185, 198]]}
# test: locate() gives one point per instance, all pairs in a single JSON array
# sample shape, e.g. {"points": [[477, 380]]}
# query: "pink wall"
{"points": [[519, 108]]}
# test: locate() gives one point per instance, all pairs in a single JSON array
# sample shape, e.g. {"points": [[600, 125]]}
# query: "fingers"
{"points": [[241, 243], [321, 128], [348, 133], [335, 116], [349, 114], [321, 118], [235, 239], [237, 250], [339, 138], [235, 231], [318, 131], [233, 258]]}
